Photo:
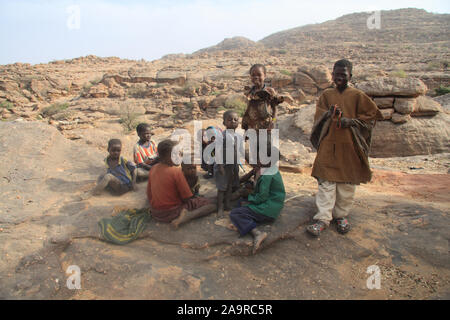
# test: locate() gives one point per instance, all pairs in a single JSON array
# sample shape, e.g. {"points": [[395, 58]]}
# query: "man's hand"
{"points": [[346, 123], [334, 111]]}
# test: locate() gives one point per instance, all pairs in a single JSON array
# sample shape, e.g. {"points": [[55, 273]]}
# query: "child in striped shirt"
{"points": [[145, 151]]}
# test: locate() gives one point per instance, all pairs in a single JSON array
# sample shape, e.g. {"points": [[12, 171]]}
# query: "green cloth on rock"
{"points": [[125, 227]]}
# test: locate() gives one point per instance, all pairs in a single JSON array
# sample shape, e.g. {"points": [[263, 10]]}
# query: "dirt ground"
{"points": [[400, 224]]}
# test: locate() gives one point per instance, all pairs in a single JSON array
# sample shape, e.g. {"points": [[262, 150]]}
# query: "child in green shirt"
{"points": [[265, 204]]}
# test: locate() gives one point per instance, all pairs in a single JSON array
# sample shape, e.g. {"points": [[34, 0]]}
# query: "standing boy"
{"points": [[342, 156], [227, 174]]}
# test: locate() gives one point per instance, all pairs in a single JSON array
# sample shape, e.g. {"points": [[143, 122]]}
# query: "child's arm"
{"points": [[144, 166], [133, 182], [263, 192], [247, 176]]}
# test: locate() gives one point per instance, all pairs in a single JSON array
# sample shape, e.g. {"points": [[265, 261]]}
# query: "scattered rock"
{"points": [[281, 80], [305, 82], [320, 74], [392, 86], [384, 102], [387, 113], [400, 118], [405, 105], [426, 106]]}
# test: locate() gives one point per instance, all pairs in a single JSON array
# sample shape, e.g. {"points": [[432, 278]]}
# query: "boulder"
{"points": [[40, 87], [172, 77], [320, 74], [299, 95], [304, 118], [418, 136], [288, 98], [117, 92], [305, 82], [405, 105], [384, 102], [195, 76], [392, 86], [398, 118], [444, 101], [8, 85], [116, 77], [142, 75], [386, 114], [426, 106], [98, 91], [281, 80], [218, 101]]}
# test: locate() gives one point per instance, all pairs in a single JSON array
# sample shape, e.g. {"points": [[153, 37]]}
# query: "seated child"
{"points": [[145, 152], [264, 203], [227, 175], [169, 194], [262, 105], [120, 176], [190, 173]]}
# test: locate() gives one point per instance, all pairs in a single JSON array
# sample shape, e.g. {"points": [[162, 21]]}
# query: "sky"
{"points": [[40, 31]]}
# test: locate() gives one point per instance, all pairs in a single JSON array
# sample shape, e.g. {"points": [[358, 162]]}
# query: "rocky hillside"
{"points": [[405, 26], [75, 94]]}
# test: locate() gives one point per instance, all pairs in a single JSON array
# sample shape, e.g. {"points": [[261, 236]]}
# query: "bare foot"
{"points": [[232, 227], [176, 222], [258, 240]]}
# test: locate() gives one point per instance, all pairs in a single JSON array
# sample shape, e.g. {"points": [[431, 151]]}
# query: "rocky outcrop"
{"points": [[312, 79], [403, 95], [444, 101], [402, 136], [414, 136]]}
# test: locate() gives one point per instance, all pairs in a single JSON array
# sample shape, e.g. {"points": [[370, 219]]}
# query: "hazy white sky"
{"points": [[42, 31]]}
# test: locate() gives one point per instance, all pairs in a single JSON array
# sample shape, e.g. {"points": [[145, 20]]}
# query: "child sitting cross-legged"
{"points": [[264, 203], [120, 176], [190, 173], [145, 151], [171, 199]]}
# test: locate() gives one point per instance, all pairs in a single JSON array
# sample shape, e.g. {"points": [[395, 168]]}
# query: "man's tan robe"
{"points": [[337, 159]]}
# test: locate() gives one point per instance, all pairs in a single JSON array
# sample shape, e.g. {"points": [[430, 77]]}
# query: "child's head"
{"points": [[342, 73], [165, 148], [231, 119], [269, 151], [189, 169], [114, 148], [213, 137], [258, 74], [144, 132]]}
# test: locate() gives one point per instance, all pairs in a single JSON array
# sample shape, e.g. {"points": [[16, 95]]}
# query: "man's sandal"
{"points": [[342, 225], [316, 228]]}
